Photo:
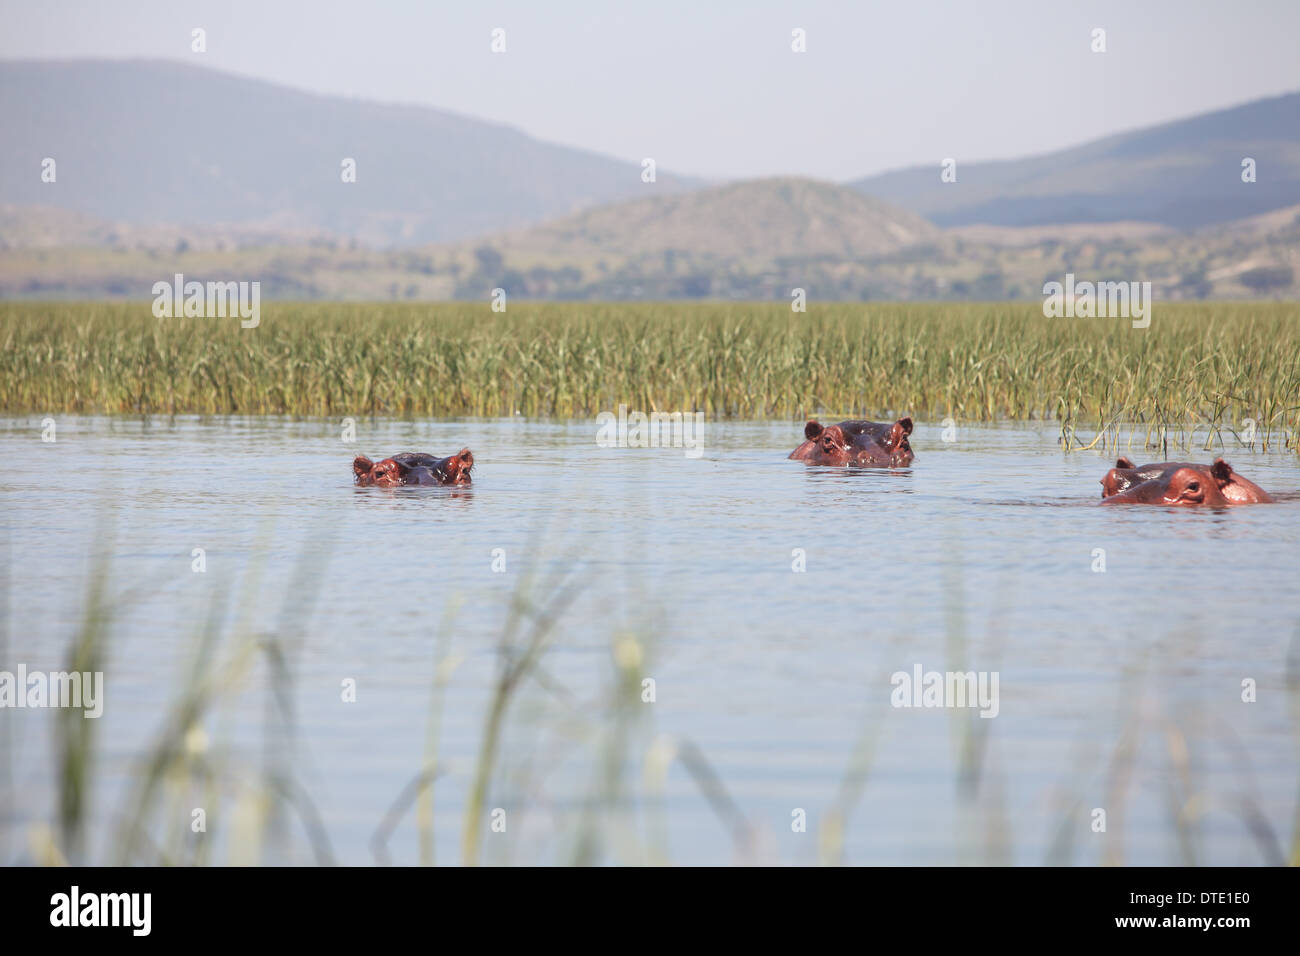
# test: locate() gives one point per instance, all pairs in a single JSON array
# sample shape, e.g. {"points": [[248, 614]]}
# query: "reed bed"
{"points": [[1216, 364]]}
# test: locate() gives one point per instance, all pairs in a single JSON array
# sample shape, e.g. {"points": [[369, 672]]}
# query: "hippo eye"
{"points": [[1194, 486]]}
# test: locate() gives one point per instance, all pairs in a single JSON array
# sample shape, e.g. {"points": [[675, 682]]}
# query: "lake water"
{"points": [[1118, 690]]}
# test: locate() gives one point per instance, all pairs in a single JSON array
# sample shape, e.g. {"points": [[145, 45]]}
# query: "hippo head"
{"points": [[1181, 485], [415, 468], [1233, 487], [384, 474], [856, 443]]}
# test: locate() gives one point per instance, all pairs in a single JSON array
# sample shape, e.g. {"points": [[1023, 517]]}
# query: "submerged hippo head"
{"points": [[856, 443], [384, 474], [1184, 484], [1155, 482], [414, 468]]}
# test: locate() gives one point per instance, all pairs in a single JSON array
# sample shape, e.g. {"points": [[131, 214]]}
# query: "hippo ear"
{"points": [[1123, 463], [898, 434], [361, 465], [1222, 472], [812, 430]]}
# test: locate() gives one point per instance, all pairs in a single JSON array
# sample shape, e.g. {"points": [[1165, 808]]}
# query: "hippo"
{"points": [[414, 468], [1179, 483], [1125, 475], [856, 443]]}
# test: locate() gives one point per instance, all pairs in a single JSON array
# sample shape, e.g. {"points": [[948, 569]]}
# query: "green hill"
{"points": [[756, 221]]}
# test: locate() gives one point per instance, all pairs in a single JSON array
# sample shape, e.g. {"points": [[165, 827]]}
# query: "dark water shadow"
{"points": [[855, 473], [1095, 502], [396, 497]]}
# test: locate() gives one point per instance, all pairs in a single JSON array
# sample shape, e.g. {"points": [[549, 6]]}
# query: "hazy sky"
{"points": [[713, 88]]}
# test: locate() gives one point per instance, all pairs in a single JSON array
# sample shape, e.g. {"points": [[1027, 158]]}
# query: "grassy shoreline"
{"points": [[1212, 363]]}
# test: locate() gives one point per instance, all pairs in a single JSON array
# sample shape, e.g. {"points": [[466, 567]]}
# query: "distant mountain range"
{"points": [[167, 168], [1185, 173], [146, 143]]}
